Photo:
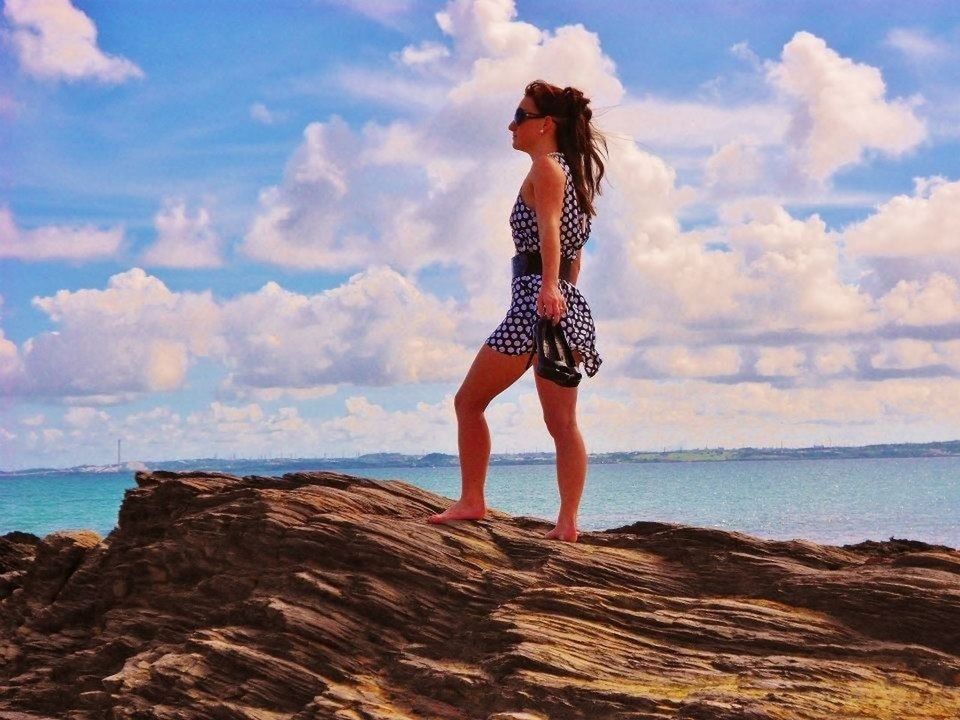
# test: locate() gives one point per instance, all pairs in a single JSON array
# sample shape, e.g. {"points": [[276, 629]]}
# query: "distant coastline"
{"points": [[949, 448]]}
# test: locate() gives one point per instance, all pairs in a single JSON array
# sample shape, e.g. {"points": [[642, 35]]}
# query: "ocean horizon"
{"points": [[828, 501]]}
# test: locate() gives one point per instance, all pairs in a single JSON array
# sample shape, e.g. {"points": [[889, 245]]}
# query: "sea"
{"points": [[828, 501]]}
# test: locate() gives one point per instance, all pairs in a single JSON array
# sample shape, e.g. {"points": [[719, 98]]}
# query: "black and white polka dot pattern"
{"points": [[514, 336], [574, 225]]}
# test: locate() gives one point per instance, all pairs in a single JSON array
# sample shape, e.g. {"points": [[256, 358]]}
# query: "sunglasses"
{"points": [[520, 115]]}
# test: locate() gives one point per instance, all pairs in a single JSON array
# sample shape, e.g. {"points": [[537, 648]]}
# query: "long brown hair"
{"points": [[582, 145]]}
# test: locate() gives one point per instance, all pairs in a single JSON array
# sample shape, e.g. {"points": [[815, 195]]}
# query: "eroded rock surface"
{"points": [[320, 595]]}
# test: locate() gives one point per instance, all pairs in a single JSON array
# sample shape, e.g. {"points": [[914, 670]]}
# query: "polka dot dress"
{"points": [[514, 336]]}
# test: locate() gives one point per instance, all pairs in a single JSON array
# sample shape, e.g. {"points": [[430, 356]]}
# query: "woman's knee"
{"points": [[561, 424], [466, 402]]}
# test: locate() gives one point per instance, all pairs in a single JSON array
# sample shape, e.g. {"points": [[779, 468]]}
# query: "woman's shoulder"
{"points": [[549, 167]]}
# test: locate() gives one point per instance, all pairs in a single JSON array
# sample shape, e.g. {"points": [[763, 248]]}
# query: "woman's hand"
{"points": [[550, 301]]}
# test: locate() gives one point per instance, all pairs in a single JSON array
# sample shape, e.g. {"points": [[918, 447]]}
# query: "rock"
{"points": [[320, 595], [17, 550]]}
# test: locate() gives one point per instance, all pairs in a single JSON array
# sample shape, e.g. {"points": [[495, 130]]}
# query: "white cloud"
{"points": [[779, 274], [906, 354], [260, 113], [696, 413], [795, 267], [370, 427], [135, 336], [264, 115], [53, 39], [183, 241], [426, 53], [780, 361], [383, 11], [376, 329], [735, 166], [83, 417], [833, 359], [922, 225], [682, 362], [11, 365], [917, 45], [934, 302], [743, 51], [841, 110], [303, 223], [56, 242], [390, 194], [687, 125]]}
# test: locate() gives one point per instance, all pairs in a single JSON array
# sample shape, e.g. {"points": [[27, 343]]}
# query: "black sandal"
{"points": [[554, 357]]}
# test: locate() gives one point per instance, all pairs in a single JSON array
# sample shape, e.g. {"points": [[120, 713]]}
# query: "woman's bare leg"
{"points": [[560, 413], [490, 374]]}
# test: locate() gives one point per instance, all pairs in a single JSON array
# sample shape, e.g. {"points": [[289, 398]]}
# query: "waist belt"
{"points": [[530, 263]]}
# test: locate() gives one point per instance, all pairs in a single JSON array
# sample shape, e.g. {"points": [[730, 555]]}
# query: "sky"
{"points": [[280, 229]]}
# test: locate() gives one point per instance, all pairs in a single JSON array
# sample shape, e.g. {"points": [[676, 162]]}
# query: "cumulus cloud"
{"points": [[841, 110], [906, 354], [183, 241], [922, 225], [56, 242], [777, 275], [11, 365], [83, 417], [138, 336], [406, 194], [795, 265], [306, 221], [401, 188], [54, 40], [834, 359], [371, 427], [376, 329], [780, 361], [135, 336], [933, 302], [736, 166], [680, 361]]}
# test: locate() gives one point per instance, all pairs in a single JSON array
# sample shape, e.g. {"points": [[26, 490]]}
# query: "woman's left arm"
{"points": [[548, 182]]}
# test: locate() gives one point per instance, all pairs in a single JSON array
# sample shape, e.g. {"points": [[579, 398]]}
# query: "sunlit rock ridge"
{"points": [[321, 595]]}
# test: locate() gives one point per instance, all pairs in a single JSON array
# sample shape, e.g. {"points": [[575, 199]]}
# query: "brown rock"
{"points": [[320, 595]]}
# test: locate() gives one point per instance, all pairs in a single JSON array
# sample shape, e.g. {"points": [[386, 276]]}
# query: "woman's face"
{"points": [[527, 133]]}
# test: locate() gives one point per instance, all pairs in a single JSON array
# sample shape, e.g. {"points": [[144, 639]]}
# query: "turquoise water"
{"points": [[827, 501]]}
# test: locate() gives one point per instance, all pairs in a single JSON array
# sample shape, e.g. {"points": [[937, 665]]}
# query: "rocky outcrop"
{"points": [[320, 595]]}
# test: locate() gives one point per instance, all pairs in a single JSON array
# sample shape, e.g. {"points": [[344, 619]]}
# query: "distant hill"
{"points": [[242, 466]]}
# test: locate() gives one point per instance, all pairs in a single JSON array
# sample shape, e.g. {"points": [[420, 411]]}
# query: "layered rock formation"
{"points": [[327, 596]]}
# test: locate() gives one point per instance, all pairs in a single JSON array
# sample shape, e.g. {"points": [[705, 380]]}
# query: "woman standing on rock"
{"points": [[550, 223]]}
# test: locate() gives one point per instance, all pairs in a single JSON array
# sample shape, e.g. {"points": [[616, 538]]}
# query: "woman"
{"points": [[550, 223]]}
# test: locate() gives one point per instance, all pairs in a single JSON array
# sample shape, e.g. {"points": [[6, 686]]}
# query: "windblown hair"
{"points": [[581, 144]]}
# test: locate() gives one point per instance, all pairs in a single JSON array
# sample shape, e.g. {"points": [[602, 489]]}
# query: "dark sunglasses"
{"points": [[520, 115]]}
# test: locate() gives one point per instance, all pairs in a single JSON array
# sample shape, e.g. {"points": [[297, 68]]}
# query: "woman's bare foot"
{"points": [[460, 510], [565, 532]]}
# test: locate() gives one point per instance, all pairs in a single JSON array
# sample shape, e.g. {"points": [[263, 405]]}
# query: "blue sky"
{"points": [[263, 229]]}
